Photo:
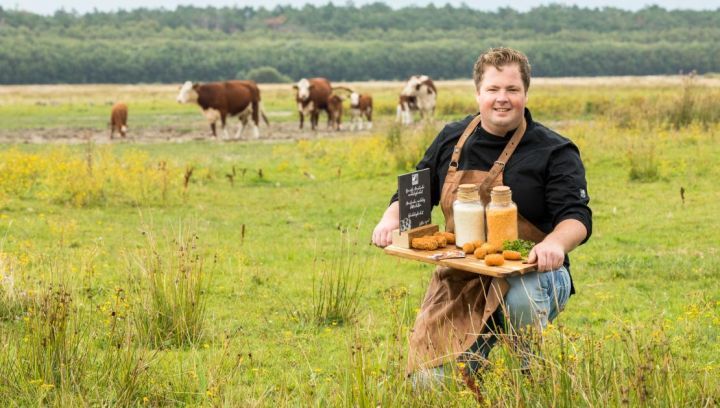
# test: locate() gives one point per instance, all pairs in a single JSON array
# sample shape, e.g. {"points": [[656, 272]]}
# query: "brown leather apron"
{"points": [[458, 304]]}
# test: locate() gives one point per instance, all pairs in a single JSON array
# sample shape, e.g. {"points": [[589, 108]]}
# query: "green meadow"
{"points": [[209, 273]]}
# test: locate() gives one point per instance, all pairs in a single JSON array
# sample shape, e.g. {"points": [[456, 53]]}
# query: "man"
{"points": [[500, 146]]}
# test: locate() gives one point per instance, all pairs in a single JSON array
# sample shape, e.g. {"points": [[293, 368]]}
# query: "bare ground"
{"points": [[171, 134]]}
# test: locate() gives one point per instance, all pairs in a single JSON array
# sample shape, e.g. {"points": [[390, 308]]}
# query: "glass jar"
{"points": [[502, 217], [468, 215]]}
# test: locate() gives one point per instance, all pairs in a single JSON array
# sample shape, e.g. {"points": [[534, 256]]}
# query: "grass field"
{"points": [[240, 274]]}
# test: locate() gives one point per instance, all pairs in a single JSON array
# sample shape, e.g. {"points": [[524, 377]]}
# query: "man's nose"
{"points": [[502, 96]]}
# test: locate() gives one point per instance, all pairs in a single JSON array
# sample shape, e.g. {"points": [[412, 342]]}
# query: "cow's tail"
{"points": [[262, 114]]}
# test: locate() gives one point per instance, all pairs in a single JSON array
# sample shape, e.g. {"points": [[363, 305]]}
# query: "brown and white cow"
{"points": [[312, 96], [361, 105], [219, 100], [419, 94], [335, 110], [118, 119]]}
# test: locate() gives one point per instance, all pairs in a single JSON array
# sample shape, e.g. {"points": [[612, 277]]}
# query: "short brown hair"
{"points": [[498, 58]]}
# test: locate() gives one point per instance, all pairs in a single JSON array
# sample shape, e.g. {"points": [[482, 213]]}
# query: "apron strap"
{"points": [[499, 164], [455, 160]]}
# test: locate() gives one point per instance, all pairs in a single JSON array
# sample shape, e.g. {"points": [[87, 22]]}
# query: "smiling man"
{"points": [[463, 314]]}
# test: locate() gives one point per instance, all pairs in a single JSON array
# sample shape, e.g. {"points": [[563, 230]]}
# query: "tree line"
{"points": [[348, 43]]}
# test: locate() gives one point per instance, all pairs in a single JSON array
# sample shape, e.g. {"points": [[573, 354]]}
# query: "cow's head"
{"points": [[354, 99], [412, 85], [303, 88], [184, 96]]}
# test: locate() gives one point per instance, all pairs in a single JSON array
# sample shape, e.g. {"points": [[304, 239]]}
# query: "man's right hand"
{"points": [[382, 234]]}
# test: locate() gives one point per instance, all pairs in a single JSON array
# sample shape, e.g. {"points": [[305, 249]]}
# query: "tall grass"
{"points": [[171, 291], [336, 286], [14, 301], [406, 146]]}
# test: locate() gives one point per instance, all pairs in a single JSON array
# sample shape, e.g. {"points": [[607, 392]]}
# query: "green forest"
{"points": [[348, 43]]}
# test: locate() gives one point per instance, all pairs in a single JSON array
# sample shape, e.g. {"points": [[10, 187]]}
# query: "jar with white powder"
{"points": [[469, 215]]}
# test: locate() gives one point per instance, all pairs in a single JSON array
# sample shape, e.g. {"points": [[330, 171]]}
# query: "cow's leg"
{"points": [[408, 115], [212, 116], [302, 119], [314, 118], [368, 115], [242, 121], [256, 130], [223, 117]]}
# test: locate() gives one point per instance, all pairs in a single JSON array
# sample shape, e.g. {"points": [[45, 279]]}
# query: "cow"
{"points": [[118, 119], [361, 105], [312, 96], [219, 100], [419, 94], [335, 110]]}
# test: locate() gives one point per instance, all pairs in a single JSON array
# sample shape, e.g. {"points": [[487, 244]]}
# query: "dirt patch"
{"points": [[170, 134]]}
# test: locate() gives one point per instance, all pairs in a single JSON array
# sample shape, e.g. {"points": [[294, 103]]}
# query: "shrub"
{"points": [[267, 75]]}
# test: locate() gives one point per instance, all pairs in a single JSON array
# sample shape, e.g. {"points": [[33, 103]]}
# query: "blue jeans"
{"points": [[533, 300]]}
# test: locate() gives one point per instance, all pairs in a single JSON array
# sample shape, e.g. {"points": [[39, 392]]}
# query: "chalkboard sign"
{"points": [[414, 198]]}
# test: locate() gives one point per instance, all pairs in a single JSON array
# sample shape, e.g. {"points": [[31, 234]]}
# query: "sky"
{"points": [[48, 7]]}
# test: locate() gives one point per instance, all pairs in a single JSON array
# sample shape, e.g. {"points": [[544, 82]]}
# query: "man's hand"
{"points": [[550, 253], [382, 234]]}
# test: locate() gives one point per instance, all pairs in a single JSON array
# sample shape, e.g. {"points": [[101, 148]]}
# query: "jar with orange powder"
{"points": [[502, 217]]}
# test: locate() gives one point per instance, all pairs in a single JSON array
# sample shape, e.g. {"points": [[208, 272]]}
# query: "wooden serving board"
{"points": [[469, 263]]}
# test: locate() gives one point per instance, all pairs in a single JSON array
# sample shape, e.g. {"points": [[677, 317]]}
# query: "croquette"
{"points": [[480, 253], [490, 248], [424, 243], [468, 247], [511, 255], [494, 260], [441, 240], [449, 236]]}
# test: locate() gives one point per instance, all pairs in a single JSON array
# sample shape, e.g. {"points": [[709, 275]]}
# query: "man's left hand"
{"points": [[548, 255]]}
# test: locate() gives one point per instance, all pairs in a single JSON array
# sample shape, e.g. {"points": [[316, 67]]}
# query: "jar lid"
{"points": [[501, 195], [467, 187], [468, 192]]}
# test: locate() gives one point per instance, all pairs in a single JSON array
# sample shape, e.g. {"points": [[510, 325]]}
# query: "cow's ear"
{"points": [[196, 85], [295, 87], [311, 87]]}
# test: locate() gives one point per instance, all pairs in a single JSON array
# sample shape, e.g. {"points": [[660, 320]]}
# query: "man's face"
{"points": [[501, 99]]}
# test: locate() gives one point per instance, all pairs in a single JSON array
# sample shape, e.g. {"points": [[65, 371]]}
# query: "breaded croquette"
{"points": [[468, 247], [490, 248], [478, 243], [441, 240], [424, 243], [512, 255], [494, 260], [449, 236], [480, 253]]}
